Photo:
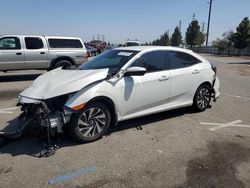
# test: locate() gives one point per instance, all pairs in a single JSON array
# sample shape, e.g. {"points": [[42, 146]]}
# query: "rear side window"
{"points": [[33, 43], [152, 61], [10, 43], [65, 43], [181, 59]]}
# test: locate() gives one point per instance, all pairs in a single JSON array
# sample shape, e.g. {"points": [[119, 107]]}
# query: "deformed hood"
{"points": [[59, 82]]}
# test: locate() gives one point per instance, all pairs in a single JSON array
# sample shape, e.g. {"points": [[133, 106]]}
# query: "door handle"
{"points": [[42, 52], [18, 53], [163, 78], [196, 71]]}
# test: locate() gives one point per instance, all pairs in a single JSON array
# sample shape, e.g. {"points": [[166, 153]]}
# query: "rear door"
{"points": [[11, 54], [185, 76], [36, 53]]}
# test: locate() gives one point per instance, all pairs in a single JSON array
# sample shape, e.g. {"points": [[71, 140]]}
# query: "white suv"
{"points": [[117, 85]]}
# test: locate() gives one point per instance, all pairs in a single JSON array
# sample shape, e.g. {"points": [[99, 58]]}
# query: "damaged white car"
{"points": [[117, 85]]}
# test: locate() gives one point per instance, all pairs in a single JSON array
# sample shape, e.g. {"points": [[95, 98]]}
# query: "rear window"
{"points": [[33, 43], [65, 43]]}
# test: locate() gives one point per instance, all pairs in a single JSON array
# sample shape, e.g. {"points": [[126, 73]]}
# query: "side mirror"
{"points": [[135, 71]]}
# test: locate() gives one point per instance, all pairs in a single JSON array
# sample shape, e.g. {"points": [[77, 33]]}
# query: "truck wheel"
{"points": [[91, 123], [63, 63]]}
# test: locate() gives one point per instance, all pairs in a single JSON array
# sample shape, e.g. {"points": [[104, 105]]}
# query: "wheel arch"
{"points": [[111, 106], [202, 84], [55, 60], [206, 83]]}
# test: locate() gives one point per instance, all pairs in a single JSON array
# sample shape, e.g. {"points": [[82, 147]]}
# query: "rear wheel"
{"points": [[202, 98], [91, 123], [63, 63]]}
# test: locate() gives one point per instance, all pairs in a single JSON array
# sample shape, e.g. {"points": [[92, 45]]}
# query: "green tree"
{"points": [[228, 37], [200, 39], [224, 43], [221, 44], [241, 38], [193, 34], [163, 41], [176, 38]]}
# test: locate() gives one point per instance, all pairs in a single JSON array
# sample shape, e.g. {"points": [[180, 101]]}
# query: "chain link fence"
{"points": [[228, 51]]}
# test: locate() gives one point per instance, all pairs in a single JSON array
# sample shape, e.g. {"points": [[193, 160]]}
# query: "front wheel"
{"points": [[91, 123], [202, 98]]}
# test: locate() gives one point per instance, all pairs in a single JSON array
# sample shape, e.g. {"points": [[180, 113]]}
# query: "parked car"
{"points": [[19, 52], [119, 84], [91, 50], [132, 43], [98, 44]]}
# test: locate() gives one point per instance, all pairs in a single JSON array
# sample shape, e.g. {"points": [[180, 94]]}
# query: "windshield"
{"points": [[112, 59]]}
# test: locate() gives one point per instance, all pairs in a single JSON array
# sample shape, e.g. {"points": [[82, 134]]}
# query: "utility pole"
{"points": [[208, 22]]}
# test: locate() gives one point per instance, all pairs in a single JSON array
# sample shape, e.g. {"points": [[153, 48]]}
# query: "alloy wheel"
{"points": [[92, 122], [203, 98]]}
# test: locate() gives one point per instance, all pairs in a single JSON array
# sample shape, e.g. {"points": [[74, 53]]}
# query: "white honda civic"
{"points": [[117, 85]]}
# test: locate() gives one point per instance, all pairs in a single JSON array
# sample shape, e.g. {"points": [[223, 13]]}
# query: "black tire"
{"points": [[202, 98], [79, 132], [63, 63]]}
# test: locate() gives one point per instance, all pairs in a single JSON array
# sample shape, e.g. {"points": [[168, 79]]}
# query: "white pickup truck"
{"points": [[21, 52]]}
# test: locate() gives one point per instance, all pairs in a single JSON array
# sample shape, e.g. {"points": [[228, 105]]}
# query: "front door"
{"points": [[11, 54], [144, 94]]}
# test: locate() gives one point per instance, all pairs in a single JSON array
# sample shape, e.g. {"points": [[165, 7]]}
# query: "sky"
{"points": [[118, 20]]}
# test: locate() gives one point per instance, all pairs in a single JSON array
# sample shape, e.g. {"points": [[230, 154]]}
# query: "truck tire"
{"points": [[62, 63]]}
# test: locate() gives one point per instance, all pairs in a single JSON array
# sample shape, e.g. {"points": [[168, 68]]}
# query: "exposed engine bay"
{"points": [[43, 104]]}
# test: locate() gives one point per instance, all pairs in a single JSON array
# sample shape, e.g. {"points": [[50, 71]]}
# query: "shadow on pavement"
{"points": [[141, 121], [16, 78], [9, 94], [32, 146], [239, 63], [218, 168]]}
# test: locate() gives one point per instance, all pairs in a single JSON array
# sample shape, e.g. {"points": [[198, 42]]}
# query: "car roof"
{"points": [[143, 49], [57, 37], [149, 48]]}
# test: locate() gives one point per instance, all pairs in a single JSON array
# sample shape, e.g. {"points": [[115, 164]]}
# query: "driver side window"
{"points": [[152, 61], [10, 43]]}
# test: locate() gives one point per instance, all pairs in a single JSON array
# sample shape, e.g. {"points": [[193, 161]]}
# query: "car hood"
{"points": [[59, 82]]}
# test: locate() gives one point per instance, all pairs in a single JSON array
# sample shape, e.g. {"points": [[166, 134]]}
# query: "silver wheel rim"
{"points": [[203, 98], [92, 122]]}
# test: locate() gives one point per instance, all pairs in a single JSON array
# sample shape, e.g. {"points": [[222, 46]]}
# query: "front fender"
{"points": [[101, 89]]}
